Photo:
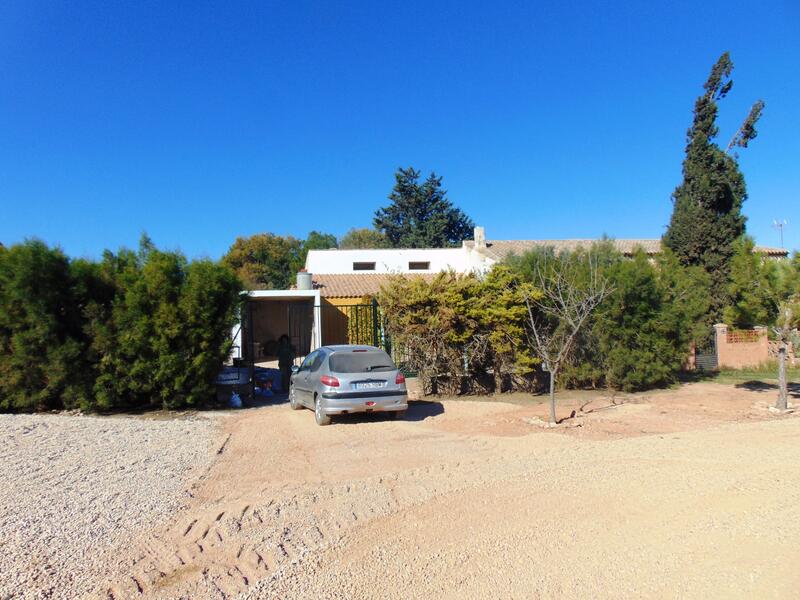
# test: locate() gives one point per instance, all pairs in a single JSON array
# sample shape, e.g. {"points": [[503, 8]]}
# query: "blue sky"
{"points": [[198, 122]]}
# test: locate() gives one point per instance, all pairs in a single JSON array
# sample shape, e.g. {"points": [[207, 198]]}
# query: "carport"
{"points": [[269, 314], [333, 309], [309, 317]]}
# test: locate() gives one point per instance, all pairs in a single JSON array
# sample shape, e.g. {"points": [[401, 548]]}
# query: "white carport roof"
{"points": [[284, 294]]}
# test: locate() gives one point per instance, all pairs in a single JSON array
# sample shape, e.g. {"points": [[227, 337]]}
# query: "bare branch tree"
{"points": [[566, 293]]}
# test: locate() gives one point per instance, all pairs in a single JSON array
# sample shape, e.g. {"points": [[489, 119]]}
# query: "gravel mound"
{"points": [[76, 490]]}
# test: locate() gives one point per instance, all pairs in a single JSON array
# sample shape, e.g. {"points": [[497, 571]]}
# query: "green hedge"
{"points": [[134, 330], [453, 329], [640, 336]]}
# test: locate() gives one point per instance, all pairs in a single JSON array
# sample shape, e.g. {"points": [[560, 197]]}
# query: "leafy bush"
{"points": [[363, 238], [645, 327], [168, 332], [753, 288], [453, 328], [456, 327], [501, 312], [40, 336], [640, 336], [146, 329], [429, 322]]}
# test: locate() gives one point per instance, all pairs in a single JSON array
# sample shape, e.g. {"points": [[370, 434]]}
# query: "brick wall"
{"points": [[739, 349], [774, 347]]}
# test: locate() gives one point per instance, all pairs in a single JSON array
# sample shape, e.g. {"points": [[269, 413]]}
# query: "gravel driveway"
{"points": [[76, 490], [686, 493]]}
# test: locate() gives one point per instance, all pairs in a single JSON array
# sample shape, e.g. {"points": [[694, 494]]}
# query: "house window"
{"points": [[419, 266], [363, 266]]}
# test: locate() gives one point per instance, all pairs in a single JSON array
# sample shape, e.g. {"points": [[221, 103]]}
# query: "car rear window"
{"points": [[360, 362]]}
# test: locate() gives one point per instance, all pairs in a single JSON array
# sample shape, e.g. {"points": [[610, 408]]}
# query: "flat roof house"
{"points": [[333, 301]]}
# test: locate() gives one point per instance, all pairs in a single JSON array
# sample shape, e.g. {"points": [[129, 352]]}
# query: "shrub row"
{"points": [[640, 336], [144, 329], [468, 327], [460, 333]]}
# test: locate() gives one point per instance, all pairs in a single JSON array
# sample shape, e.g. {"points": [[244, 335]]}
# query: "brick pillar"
{"points": [[721, 343]]}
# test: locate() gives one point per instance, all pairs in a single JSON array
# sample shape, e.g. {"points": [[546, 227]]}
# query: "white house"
{"points": [[477, 255], [393, 261], [332, 296]]}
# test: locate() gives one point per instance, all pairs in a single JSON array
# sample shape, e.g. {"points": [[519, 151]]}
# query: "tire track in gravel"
{"points": [[231, 537], [286, 495], [650, 517]]}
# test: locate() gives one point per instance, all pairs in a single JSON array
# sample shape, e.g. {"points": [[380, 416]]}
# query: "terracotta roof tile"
{"points": [[771, 251], [356, 285], [500, 249]]}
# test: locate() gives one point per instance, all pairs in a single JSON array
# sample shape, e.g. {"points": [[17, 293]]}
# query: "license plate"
{"points": [[371, 385]]}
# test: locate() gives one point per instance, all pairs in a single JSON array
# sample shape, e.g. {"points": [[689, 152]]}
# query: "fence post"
{"points": [[252, 343]]}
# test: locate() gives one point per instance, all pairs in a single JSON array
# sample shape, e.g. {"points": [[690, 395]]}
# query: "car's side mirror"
{"points": [[295, 369]]}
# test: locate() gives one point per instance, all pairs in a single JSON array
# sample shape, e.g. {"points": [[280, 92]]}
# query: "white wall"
{"points": [[461, 260]]}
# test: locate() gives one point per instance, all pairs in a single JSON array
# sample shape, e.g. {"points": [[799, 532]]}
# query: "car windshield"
{"points": [[360, 362]]}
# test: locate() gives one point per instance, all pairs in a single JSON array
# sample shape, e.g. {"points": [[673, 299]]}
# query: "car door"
{"points": [[302, 381]]}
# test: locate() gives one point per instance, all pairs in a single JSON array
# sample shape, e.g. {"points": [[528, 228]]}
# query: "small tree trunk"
{"points": [[553, 397], [782, 391], [498, 378]]}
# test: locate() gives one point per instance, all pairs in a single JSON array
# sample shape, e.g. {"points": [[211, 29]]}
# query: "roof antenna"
{"points": [[779, 225]]}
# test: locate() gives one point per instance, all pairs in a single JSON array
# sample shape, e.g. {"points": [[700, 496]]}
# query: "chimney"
{"points": [[304, 280], [479, 236]]}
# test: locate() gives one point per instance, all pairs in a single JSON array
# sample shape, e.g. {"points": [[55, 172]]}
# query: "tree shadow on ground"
{"points": [[763, 386], [419, 410], [697, 376]]}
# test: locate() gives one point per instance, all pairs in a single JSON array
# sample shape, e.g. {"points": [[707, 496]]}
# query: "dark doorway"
{"points": [[300, 317]]}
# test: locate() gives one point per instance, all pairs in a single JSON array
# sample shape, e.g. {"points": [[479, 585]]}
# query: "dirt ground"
{"points": [[692, 492]]}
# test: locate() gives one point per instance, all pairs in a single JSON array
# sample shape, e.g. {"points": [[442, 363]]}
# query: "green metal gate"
{"points": [[705, 357], [355, 324]]}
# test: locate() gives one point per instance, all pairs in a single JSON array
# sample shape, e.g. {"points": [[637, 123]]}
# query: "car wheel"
{"points": [[399, 415], [320, 417], [293, 400]]}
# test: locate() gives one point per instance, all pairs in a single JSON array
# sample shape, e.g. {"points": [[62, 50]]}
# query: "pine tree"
{"points": [[753, 288], [420, 215], [707, 215]]}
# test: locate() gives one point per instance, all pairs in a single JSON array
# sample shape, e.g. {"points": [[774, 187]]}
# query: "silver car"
{"points": [[338, 380]]}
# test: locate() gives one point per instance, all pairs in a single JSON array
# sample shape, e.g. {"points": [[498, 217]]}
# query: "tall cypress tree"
{"points": [[707, 213]]}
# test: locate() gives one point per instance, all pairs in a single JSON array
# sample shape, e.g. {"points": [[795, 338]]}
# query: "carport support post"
{"points": [[375, 323], [252, 344], [552, 397]]}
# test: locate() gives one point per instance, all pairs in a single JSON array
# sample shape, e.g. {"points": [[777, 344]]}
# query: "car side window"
{"points": [[308, 363], [318, 360]]}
